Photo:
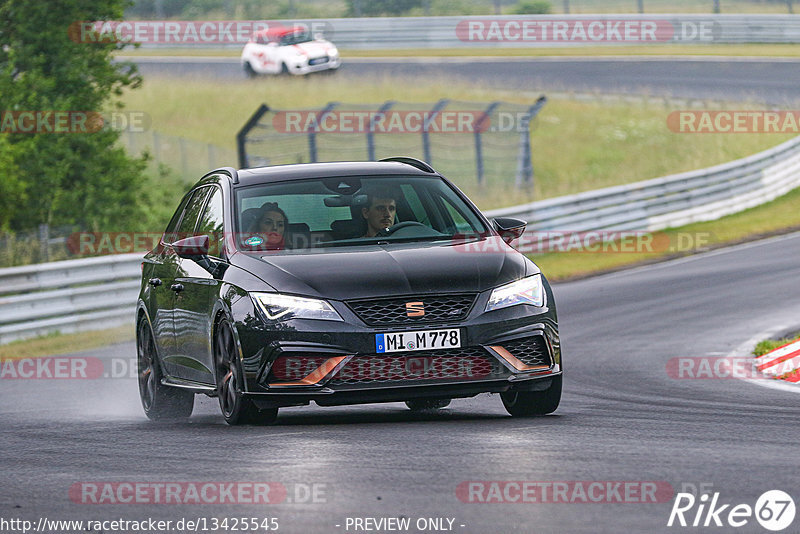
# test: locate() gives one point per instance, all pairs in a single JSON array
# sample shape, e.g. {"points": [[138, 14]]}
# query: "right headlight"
{"points": [[279, 307], [528, 290]]}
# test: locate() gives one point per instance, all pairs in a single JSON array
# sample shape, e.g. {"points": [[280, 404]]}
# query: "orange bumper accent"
{"points": [[514, 361], [317, 375]]}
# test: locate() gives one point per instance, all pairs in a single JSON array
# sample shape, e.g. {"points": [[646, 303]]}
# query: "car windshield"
{"points": [[351, 211], [296, 38]]}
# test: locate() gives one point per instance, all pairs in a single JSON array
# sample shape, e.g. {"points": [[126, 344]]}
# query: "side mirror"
{"points": [[508, 228], [192, 248]]}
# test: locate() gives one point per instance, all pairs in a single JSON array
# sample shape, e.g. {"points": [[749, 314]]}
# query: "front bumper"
{"points": [[306, 66], [332, 362]]}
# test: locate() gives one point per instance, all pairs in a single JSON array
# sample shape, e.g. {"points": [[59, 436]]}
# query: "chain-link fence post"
{"points": [[241, 136], [426, 141], [312, 131], [524, 164], [479, 125], [371, 131]]}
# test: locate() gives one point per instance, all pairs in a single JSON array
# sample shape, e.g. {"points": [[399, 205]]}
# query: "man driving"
{"points": [[380, 212]]}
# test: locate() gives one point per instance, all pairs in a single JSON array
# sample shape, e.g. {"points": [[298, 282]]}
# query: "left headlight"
{"points": [[279, 307], [525, 291]]}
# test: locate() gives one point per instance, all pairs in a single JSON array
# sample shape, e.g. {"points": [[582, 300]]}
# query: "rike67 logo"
{"points": [[774, 510]]}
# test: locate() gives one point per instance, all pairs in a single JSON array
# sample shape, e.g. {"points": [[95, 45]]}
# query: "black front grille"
{"points": [[393, 311], [468, 363], [318, 60], [529, 350]]}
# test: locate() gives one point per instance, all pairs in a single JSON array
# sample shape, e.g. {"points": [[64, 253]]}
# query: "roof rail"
{"points": [[230, 171], [414, 162]]}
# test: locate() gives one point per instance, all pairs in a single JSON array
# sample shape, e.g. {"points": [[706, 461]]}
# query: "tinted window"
{"points": [[346, 211], [192, 213], [296, 38], [211, 223], [169, 233]]}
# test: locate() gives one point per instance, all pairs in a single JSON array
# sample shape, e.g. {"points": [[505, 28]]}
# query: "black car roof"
{"points": [[281, 173]]}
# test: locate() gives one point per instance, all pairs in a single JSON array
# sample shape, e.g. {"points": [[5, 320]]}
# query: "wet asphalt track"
{"points": [[622, 418], [771, 81]]}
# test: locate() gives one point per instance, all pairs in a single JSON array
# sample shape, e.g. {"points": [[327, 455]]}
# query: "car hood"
{"points": [[395, 269], [313, 48]]}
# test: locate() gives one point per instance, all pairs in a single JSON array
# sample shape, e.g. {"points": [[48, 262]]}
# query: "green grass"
{"points": [[776, 217], [769, 345], [577, 145], [57, 343], [755, 50]]}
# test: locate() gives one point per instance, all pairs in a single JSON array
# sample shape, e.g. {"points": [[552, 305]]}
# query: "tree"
{"points": [[83, 179], [11, 188]]}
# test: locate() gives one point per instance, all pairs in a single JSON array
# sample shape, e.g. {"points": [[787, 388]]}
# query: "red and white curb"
{"points": [[782, 363], [746, 349]]}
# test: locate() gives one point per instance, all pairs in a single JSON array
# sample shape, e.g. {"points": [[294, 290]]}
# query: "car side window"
{"points": [[172, 227], [211, 223], [192, 213]]}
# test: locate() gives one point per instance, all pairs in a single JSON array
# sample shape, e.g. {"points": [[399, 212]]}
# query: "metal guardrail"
{"points": [[453, 31], [95, 293], [68, 296], [670, 201]]}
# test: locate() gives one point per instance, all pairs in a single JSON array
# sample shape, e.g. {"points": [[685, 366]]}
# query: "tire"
{"points": [[532, 403], [422, 405], [284, 69], [248, 70], [236, 408], [159, 402]]}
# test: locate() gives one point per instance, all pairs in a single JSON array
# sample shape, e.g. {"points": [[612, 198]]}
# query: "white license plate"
{"points": [[449, 338]]}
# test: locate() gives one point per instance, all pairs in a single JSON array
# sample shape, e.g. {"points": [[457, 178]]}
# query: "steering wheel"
{"points": [[386, 232]]}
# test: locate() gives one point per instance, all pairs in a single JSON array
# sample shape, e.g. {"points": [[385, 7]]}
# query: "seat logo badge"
{"points": [[415, 309]]}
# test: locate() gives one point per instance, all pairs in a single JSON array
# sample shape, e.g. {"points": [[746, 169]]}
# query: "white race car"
{"points": [[281, 50]]}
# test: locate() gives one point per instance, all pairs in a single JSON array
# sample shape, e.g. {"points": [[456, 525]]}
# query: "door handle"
{"points": [[177, 288], [155, 282]]}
